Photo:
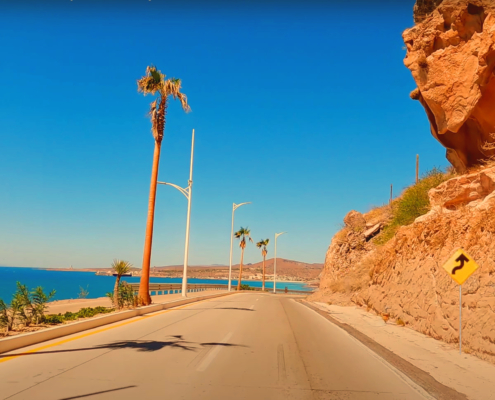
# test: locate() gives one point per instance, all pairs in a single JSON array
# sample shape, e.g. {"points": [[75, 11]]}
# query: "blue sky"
{"points": [[304, 111]]}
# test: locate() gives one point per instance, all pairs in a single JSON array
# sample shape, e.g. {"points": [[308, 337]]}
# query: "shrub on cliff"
{"points": [[413, 203]]}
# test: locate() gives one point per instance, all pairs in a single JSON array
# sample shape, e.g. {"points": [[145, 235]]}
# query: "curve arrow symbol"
{"points": [[462, 259]]}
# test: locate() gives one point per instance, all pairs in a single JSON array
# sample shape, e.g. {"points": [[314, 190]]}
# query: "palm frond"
{"points": [[156, 75], [243, 234], [262, 245], [154, 82], [172, 87], [121, 267], [183, 101]]}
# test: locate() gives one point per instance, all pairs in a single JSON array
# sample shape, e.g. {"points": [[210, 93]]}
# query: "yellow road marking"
{"points": [[138, 318]]}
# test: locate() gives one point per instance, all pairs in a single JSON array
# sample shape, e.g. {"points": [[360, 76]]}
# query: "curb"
{"points": [[28, 339]]}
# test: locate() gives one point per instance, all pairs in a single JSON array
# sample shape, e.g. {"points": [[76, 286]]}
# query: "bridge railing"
{"points": [[171, 288], [282, 291]]}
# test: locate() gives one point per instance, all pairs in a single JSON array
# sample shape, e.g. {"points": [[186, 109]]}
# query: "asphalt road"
{"points": [[244, 346]]}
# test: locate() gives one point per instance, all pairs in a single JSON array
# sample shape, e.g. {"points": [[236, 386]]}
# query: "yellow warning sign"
{"points": [[460, 266]]}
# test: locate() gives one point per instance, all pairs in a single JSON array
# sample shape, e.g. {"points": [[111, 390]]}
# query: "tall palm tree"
{"points": [[262, 245], [154, 83], [242, 234], [120, 267]]}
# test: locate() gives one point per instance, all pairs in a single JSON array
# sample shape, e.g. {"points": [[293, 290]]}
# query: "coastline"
{"points": [[72, 286], [307, 283]]}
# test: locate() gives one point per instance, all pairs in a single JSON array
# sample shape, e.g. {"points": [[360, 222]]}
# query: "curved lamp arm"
{"points": [[236, 206], [184, 191]]}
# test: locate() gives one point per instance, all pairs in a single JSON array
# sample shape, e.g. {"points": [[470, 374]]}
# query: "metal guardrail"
{"points": [[282, 291], [170, 288], [294, 291]]}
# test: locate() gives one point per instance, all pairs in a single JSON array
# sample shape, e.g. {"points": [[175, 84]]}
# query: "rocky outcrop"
{"points": [[404, 278], [369, 233], [354, 220], [451, 55], [423, 8], [468, 190]]}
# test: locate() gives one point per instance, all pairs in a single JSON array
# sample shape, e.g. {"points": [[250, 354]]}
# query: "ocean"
{"points": [[68, 284]]}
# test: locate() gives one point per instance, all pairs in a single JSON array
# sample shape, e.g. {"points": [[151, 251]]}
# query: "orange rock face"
{"points": [[404, 278], [464, 190], [451, 55]]}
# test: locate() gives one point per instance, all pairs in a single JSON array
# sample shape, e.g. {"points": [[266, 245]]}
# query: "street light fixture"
{"points": [[234, 207], [275, 262], [188, 193]]}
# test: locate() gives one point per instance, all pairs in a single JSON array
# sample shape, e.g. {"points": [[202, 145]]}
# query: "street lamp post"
{"points": [[275, 262], [234, 207], [187, 192]]}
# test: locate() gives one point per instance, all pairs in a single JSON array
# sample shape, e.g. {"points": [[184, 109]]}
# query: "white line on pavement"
{"points": [[213, 353]]}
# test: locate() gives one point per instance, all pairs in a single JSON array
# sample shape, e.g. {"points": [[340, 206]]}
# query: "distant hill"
{"points": [[296, 270], [287, 270]]}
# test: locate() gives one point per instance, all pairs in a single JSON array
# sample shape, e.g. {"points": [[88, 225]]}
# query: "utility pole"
{"points": [[187, 192], [275, 263], [234, 207], [417, 168], [391, 194]]}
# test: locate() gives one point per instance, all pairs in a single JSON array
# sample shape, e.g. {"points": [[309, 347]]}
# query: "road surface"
{"points": [[243, 346]]}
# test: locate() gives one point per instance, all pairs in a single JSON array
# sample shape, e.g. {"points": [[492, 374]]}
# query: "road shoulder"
{"points": [[431, 364]]}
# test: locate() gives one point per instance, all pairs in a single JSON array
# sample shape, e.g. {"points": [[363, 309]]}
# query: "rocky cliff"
{"points": [[423, 8], [451, 55], [404, 278]]}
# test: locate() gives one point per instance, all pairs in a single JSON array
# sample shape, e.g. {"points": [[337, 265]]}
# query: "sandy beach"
{"points": [[74, 305]]}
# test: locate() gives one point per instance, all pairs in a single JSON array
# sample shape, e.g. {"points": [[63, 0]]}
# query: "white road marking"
{"points": [[213, 353]]}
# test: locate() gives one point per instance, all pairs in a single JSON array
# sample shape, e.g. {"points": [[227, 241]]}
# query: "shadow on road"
{"points": [[215, 308], [95, 393], [176, 341]]}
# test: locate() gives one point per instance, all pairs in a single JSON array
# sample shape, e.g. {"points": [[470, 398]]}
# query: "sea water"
{"points": [[68, 284]]}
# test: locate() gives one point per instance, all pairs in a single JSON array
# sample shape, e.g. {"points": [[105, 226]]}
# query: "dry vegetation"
{"points": [[413, 203]]}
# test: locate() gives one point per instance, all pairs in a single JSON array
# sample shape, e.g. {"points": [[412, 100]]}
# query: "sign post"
{"points": [[460, 267], [460, 319]]}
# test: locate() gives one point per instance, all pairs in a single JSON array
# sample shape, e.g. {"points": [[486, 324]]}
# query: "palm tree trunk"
{"points": [[263, 288], [116, 293], [240, 272], [144, 284]]}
